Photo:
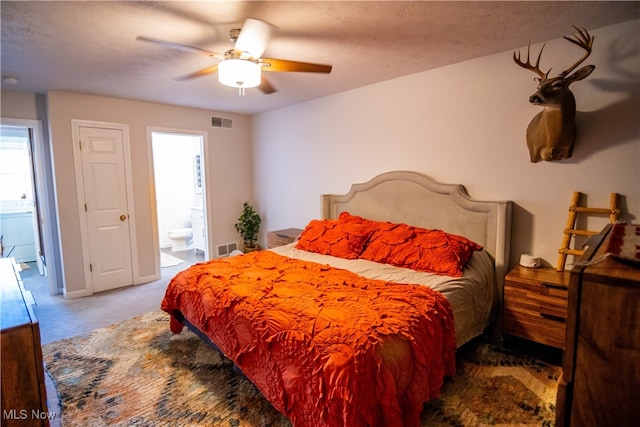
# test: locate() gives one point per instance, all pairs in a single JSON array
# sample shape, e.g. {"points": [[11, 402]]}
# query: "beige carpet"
{"points": [[138, 373]]}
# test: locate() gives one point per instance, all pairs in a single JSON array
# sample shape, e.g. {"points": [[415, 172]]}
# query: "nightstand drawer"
{"points": [[282, 237], [537, 298], [534, 327], [536, 304]]}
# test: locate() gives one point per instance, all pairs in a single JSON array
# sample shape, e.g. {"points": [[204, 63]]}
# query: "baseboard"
{"points": [[146, 279], [75, 294]]}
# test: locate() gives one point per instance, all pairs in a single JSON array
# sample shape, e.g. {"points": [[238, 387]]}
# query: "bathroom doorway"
{"points": [[19, 222], [26, 170], [180, 191]]}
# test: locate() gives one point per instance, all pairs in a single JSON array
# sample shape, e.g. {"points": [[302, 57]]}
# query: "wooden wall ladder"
{"points": [[571, 230]]}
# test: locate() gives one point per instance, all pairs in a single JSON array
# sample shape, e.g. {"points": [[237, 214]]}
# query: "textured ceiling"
{"points": [[91, 47]]}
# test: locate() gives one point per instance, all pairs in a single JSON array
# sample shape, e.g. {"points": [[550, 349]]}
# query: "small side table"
{"points": [[535, 305], [282, 237]]}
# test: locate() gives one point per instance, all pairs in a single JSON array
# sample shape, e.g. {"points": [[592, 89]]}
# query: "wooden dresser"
{"points": [[24, 401], [282, 237], [600, 378]]}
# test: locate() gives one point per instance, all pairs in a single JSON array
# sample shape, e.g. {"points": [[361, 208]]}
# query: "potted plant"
{"points": [[248, 226]]}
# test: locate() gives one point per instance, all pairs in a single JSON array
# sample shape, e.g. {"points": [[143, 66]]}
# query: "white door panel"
{"points": [[105, 194]]}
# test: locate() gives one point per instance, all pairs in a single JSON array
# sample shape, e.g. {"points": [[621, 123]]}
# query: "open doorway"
{"points": [[26, 223], [19, 224], [179, 171]]}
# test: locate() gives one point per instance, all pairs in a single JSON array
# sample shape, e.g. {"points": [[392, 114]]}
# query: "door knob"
{"points": [[123, 217]]}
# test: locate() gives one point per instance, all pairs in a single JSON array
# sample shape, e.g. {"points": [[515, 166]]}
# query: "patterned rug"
{"points": [[137, 373]]}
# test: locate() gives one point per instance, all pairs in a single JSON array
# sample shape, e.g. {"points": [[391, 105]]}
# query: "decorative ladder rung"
{"points": [[571, 231], [592, 210], [571, 251]]}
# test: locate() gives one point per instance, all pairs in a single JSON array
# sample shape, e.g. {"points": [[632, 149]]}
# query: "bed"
{"points": [[333, 329]]}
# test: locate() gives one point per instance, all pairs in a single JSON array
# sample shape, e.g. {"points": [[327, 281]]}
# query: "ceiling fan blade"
{"points": [[205, 71], [265, 86], [271, 64], [180, 46], [253, 37]]}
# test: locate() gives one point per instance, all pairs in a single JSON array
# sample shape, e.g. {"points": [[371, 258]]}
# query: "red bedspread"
{"points": [[325, 346]]}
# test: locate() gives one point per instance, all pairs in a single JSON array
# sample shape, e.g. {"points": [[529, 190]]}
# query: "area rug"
{"points": [[167, 260], [137, 373]]}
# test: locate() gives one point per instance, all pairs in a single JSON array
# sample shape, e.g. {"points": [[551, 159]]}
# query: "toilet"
{"points": [[180, 239]]}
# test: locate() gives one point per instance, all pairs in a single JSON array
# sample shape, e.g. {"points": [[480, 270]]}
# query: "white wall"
{"points": [[228, 155], [464, 124]]}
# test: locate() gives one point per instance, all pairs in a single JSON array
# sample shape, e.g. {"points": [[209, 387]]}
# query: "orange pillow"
{"points": [[433, 251], [333, 237], [347, 217], [372, 225], [402, 245]]}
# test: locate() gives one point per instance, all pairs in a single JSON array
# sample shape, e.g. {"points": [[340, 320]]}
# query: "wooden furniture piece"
{"points": [[535, 305], [282, 237], [571, 230], [24, 400], [601, 366]]}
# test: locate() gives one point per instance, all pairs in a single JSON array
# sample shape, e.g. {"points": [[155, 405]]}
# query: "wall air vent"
{"points": [[221, 122], [225, 250]]}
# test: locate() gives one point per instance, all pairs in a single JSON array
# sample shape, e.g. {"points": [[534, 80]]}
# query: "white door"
{"points": [[107, 213]]}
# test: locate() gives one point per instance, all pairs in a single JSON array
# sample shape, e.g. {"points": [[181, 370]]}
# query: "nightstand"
{"points": [[535, 305], [282, 237]]}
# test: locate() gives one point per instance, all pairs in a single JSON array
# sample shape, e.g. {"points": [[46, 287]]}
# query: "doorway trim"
{"points": [[44, 212], [152, 181], [84, 232]]}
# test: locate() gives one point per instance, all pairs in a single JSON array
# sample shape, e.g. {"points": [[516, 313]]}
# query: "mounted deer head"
{"points": [[552, 132]]}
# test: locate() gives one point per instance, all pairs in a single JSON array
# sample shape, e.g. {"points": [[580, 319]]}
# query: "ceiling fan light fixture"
{"points": [[239, 73]]}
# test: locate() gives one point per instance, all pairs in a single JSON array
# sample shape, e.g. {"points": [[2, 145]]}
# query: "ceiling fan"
{"points": [[241, 67]]}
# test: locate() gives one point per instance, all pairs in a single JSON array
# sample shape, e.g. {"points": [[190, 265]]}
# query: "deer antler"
{"points": [[585, 41], [527, 65]]}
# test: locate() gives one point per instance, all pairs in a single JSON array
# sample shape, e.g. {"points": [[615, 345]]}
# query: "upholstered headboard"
{"points": [[417, 199]]}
